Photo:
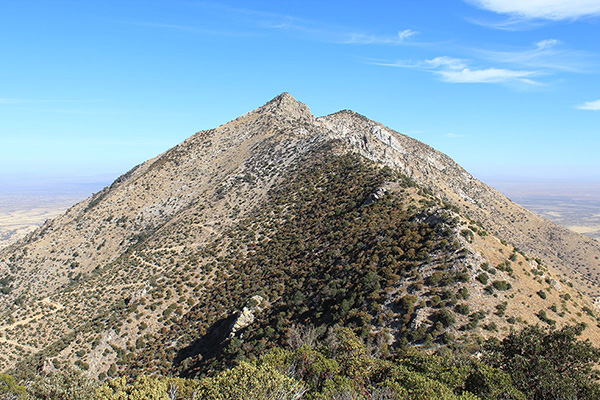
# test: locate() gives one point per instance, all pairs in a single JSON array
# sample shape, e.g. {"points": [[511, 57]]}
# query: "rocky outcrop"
{"points": [[248, 314]]}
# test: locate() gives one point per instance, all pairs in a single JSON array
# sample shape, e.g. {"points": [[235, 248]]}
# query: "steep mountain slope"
{"points": [[223, 245], [575, 256]]}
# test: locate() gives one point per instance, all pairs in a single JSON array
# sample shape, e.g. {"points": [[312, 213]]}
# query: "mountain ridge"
{"points": [[531, 232], [435, 170], [461, 190], [134, 267]]}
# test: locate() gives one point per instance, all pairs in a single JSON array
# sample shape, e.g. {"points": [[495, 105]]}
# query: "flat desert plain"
{"points": [[25, 207], [20, 215], [574, 205]]}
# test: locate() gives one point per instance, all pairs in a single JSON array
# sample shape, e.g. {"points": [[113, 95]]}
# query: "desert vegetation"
{"points": [[266, 259], [535, 363]]}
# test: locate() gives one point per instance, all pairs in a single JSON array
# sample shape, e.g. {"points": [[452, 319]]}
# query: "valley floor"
{"points": [[573, 205], [22, 213]]}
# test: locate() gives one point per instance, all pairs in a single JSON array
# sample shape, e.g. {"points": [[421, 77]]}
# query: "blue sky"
{"points": [[91, 88]]}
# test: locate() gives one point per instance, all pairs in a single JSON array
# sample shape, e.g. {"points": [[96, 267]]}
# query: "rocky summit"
{"points": [[278, 227]]}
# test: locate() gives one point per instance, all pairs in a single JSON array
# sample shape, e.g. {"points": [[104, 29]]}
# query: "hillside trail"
{"points": [[15, 343], [47, 302]]}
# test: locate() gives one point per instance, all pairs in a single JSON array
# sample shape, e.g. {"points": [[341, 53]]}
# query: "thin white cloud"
{"points": [[7, 100], [312, 29], [546, 44], [360, 38], [437, 62], [446, 62], [456, 70], [509, 24], [455, 135], [406, 34], [545, 54], [340, 35], [554, 10], [252, 22], [488, 75], [590, 105]]}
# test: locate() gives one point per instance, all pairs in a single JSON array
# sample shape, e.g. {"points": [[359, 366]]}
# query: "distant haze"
{"points": [[25, 185], [573, 204]]}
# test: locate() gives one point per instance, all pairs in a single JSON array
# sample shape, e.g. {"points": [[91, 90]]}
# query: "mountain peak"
{"points": [[286, 105], [302, 214]]}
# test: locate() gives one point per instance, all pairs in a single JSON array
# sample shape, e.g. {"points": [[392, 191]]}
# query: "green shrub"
{"points": [[501, 285], [407, 302], [501, 309], [544, 317], [467, 234], [490, 383], [546, 363], [435, 278], [446, 317], [67, 384], [491, 327], [483, 278], [462, 276], [147, 388], [10, 389], [463, 293], [462, 308]]}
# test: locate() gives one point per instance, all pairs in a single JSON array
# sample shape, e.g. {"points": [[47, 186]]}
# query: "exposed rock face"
{"points": [[287, 108], [247, 314], [378, 194]]}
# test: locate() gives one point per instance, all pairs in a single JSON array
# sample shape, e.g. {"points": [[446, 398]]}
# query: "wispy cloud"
{"points": [[508, 24], [7, 100], [456, 70], [488, 75], [320, 32], [312, 29], [186, 28], [545, 54], [361, 38], [249, 22], [590, 105], [522, 67], [406, 34], [554, 10], [455, 135]]}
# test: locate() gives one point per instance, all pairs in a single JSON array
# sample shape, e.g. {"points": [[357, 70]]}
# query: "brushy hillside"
{"points": [[278, 230], [339, 242], [534, 363]]}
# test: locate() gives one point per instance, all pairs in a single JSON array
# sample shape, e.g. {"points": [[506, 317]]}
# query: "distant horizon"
{"points": [[509, 185], [61, 173], [80, 181]]}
